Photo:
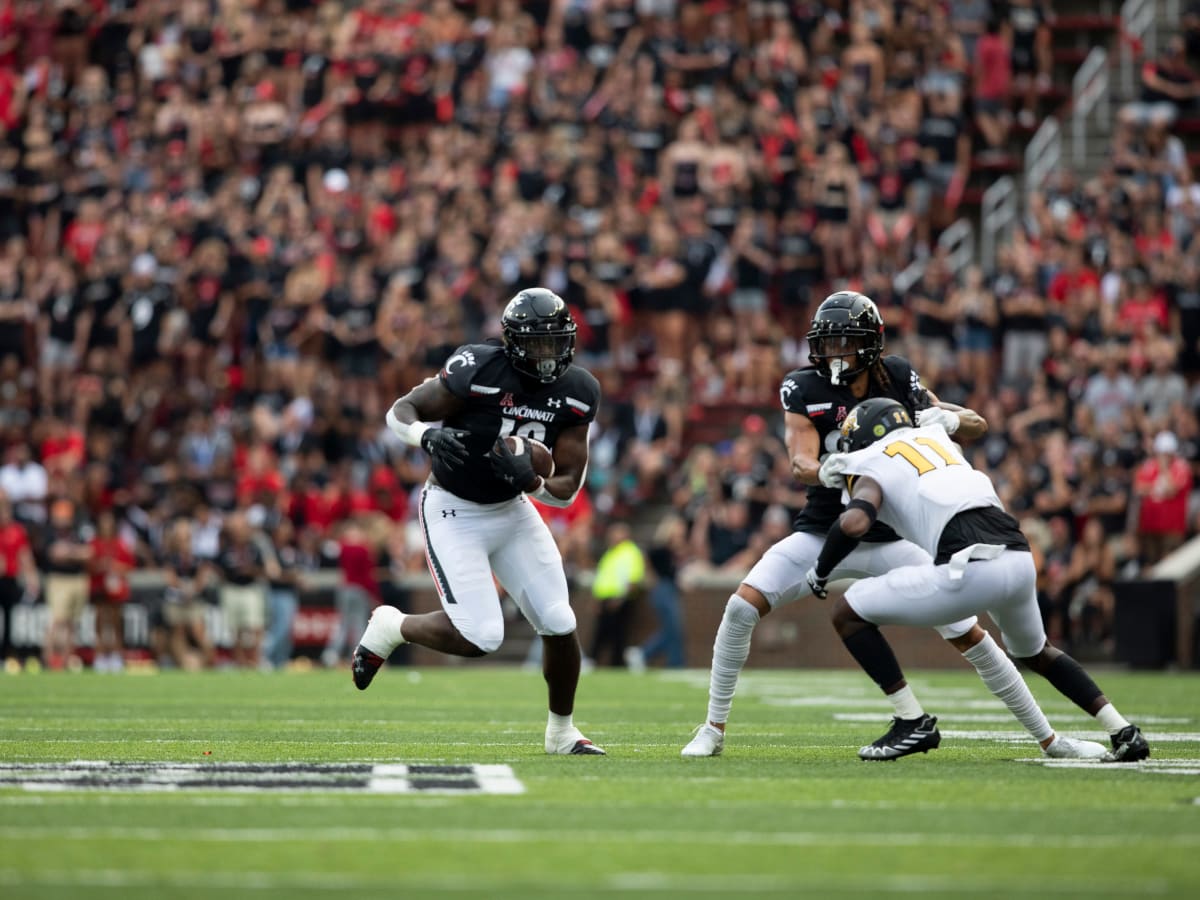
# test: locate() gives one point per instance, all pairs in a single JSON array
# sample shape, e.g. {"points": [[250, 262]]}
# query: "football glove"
{"points": [[445, 444], [832, 468], [816, 583], [935, 415], [515, 468]]}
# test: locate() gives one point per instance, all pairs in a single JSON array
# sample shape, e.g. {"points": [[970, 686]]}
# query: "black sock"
{"points": [[872, 651], [1070, 680]]}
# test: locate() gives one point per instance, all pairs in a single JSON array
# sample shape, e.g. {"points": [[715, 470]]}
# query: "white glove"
{"points": [[832, 468], [935, 415]]}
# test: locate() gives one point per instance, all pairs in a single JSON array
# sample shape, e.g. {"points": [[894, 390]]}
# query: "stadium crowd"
{"points": [[233, 231]]}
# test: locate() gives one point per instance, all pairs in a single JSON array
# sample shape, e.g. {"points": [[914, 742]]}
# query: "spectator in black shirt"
{"points": [[67, 555], [63, 330], [243, 601]]}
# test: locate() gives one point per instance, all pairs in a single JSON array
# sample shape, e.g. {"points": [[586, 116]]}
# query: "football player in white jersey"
{"points": [[475, 512], [849, 365], [915, 480]]}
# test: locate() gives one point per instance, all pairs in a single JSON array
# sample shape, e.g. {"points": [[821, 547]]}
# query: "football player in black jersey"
{"points": [[846, 343], [475, 512]]}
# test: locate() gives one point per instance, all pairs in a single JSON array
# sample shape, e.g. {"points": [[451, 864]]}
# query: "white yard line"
{"points": [[616, 836], [637, 883]]}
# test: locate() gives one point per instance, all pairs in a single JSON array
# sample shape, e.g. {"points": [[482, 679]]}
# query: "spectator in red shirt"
{"points": [[357, 595], [18, 574], [1162, 484], [1074, 280], [1142, 309], [108, 587], [993, 84]]}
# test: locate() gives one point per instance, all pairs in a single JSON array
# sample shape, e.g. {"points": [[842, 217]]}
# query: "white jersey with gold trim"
{"points": [[926, 482]]}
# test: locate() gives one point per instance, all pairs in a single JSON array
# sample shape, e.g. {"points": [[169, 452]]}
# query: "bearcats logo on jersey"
{"points": [[810, 394], [499, 402]]}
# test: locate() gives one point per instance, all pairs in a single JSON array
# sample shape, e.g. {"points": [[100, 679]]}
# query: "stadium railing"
{"points": [[1089, 93], [1138, 37], [1043, 155], [997, 214]]}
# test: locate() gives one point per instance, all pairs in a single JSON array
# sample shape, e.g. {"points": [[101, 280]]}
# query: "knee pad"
{"points": [[558, 621], [488, 636]]}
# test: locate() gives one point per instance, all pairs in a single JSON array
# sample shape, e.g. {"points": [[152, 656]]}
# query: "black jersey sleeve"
{"points": [[791, 392], [460, 369], [580, 395]]}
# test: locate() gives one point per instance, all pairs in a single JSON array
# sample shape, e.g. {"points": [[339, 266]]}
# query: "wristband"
{"points": [[409, 432], [542, 495], [866, 506]]}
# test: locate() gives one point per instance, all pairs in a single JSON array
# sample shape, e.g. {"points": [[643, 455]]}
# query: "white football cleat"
{"points": [[708, 741], [1073, 748]]}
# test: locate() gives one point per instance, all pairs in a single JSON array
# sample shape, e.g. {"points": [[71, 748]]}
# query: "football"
{"points": [[543, 460]]}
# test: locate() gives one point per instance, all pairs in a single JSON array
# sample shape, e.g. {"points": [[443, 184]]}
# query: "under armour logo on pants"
{"points": [[448, 512]]}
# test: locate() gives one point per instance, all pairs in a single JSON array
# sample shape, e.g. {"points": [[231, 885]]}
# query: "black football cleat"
{"points": [[1128, 746], [904, 737], [586, 748], [363, 666]]}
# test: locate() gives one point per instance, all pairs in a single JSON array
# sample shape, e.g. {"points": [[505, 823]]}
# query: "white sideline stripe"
{"points": [[1165, 737], [1006, 717], [841, 701], [617, 883], [616, 836], [1158, 766]]}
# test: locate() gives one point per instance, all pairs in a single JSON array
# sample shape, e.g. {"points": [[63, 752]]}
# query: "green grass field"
{"points": [[788, 810]]}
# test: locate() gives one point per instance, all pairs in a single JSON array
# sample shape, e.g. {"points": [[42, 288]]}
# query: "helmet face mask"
{"points": [[871, 421], [539, 334], [846, 324]]}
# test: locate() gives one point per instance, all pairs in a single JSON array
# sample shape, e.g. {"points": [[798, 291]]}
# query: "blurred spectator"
{"points": [[185, 643], [23, 480], [992, 82], [19, 578], [1162, 484], [976, 316], [1169, 86], [1031, 54], [109, 563], [1089, 579], [243, 598], [665, 556], [68, 552], [620, 580], [283, 592], [1110, 392], [356, 596]]}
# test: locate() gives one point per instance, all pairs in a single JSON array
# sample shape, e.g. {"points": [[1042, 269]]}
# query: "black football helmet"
{"points": [[871, 420], [539, 334], [846, 322]]}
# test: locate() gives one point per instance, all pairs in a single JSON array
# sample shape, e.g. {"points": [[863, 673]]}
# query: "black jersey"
{"points": [[807, 392], [499, 402]]}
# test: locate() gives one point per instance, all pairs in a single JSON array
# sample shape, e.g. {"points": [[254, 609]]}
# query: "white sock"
{"points": [[730, 650], [1003, 680], [1112, 720], [383, 633], [906, 704], [556, 723]]}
